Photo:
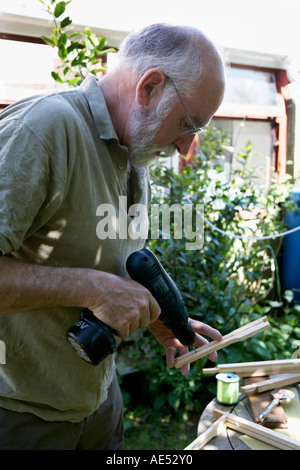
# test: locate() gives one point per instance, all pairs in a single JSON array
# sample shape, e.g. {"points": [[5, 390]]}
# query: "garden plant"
{"points": [[80, 52], [234, 278]]}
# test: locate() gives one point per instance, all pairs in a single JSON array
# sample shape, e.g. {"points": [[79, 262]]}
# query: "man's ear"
{"points": [[150, 87]]}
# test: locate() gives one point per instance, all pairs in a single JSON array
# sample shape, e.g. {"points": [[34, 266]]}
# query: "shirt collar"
{"points": [[98, 108]]}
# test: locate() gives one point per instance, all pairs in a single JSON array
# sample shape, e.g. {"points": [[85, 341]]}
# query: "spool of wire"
{"points": [[227, 388]]}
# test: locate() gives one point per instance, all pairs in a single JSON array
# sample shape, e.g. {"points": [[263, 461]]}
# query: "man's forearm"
{"points": [[121, 303], [25, 286]]}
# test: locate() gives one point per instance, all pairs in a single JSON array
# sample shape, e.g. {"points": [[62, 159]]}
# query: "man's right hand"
{"points": [[123, 304]]}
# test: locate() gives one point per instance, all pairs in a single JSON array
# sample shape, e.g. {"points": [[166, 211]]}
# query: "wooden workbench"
{"points": [[228, 439]]}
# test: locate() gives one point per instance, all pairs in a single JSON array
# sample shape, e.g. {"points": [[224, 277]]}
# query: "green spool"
{"points": [[228, 388]]}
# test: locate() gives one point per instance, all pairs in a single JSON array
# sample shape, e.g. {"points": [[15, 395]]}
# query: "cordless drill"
{"points": [[93, 340]]}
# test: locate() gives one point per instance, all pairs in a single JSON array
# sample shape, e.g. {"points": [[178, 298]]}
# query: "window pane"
{"points": [[25, 69], [260, 134], [251, 87]]}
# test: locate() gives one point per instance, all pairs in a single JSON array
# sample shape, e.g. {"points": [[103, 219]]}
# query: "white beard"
{"points": [[144, 126]]}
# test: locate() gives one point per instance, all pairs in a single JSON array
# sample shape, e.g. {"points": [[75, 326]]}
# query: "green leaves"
{"points": [[227, 283], [80, 52], [65, 22], [59, 8], [56, 77], [48, 41]]}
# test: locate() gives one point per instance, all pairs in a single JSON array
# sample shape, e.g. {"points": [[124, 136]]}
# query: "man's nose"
{"points": [[183, 143]]}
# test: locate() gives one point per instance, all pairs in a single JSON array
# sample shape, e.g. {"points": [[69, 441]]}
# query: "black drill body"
{"points": [[94, 341]]}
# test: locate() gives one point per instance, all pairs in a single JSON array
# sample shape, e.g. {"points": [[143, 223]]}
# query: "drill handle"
{"points": [[144, 267]]}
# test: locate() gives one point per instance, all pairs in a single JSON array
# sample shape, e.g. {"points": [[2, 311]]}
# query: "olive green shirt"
{"points": [[61, 165]]}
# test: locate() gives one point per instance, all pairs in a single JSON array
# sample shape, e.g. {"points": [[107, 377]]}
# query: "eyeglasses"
{"points": [[195, 130]]}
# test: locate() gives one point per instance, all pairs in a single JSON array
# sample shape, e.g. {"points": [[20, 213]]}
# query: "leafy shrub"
{"points": [[229, 281]]}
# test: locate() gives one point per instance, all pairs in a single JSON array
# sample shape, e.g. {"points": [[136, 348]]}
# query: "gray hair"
{"points": [[182, 52]]}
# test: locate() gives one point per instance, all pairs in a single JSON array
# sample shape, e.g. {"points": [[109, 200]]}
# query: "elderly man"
{"points": [[62, 156]]}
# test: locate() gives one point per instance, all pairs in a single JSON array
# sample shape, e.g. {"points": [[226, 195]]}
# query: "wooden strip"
{"points": [[214, 430], [258, 373], [269, 371], [237, 335], [257, 369], [259, 432], [271, 384], [212, 370]]}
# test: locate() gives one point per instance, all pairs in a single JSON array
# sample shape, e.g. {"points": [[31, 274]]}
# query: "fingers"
{"points": [[145, 310], [206, 330], [203, 329], [141, 308], [151, 311], [125, 305], [186, 368], [200, 341], [170, 359], [199, 328]]}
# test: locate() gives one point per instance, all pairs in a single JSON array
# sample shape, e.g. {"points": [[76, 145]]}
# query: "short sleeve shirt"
{"points": [[64, 201]]}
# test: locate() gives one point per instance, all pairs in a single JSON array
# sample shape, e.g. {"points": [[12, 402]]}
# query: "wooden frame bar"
{"points": [[214, 430], [271, 384], [259, 432], [244, 426], [235, 336], [257, 369]]}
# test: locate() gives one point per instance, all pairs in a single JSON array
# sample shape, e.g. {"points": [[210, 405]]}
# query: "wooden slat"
{"points": [[214, 430], [257, 369], [235, 336], [271, 384]]}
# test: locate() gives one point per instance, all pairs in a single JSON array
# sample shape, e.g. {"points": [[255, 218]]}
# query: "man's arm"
{"points": [[121, 303]]}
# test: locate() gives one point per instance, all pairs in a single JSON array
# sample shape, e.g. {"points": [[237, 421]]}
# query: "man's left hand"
{"points": [[165, 337]]}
